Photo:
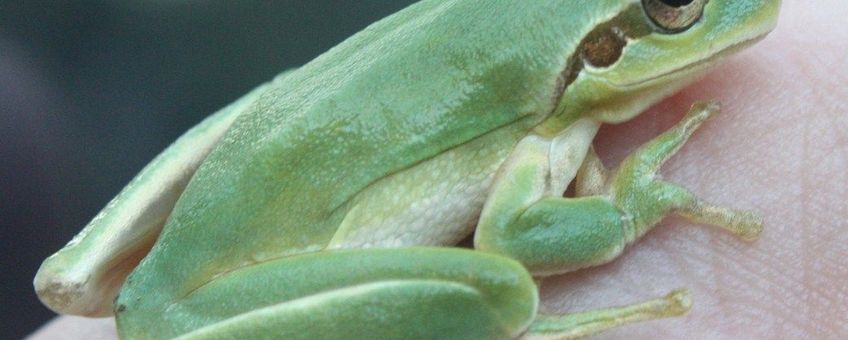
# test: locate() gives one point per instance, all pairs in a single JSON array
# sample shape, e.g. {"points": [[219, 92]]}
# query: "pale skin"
{"points": [[729, 268]]}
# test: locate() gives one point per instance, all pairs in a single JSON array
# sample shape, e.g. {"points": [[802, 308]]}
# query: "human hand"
{"points": [[779, 147]]}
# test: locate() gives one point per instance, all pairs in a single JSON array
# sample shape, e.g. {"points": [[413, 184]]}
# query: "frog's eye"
{"points": [[674, 15]]}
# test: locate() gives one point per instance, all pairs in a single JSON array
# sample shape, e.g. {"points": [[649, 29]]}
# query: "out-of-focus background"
{"points": [[90, 91]]}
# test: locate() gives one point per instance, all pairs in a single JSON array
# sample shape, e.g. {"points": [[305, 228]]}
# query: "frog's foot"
{"points": [[575, 325], [552, 234], [645, 200]]}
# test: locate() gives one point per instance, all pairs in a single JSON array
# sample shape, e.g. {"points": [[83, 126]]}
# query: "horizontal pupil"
{"points": [[676, 3]]}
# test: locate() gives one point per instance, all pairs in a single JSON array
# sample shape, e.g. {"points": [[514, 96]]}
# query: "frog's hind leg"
{"points": [[551, 234], [415, 293], [403, 293], [408, 293]]}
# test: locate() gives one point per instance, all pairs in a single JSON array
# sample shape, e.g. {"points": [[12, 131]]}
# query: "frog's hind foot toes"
{"points": [[576, 325]]}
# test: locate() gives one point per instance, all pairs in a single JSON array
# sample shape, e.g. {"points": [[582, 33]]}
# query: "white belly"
{"points": [[436, 202]]}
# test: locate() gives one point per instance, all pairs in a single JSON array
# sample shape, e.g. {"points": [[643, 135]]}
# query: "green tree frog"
{"points": [[323, 203]]}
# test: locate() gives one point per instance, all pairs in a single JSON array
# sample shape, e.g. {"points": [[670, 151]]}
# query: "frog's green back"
{"points": [[422, 81]]}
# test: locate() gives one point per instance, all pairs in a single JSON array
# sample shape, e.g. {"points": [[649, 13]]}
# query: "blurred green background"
{"points": [[90, 91]]}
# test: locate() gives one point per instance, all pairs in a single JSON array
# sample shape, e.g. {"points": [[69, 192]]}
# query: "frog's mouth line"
{"points": [[698, 65]]}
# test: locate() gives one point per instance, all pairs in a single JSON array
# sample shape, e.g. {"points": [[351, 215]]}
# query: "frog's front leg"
{"points": [[526, 220], [552, 234]]}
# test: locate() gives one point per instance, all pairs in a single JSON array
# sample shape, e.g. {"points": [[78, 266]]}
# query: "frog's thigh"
{"points": [[369, 294], [384, 310], [406, 293], [526, 219]]}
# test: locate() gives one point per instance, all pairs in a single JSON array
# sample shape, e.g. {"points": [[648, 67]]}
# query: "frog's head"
{"points": [[648, 49]]}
